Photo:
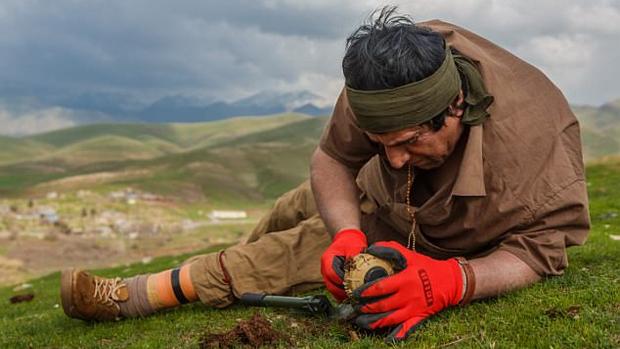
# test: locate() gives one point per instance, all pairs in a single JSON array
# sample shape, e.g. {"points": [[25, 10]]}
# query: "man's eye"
{"points": [[412, 140]]}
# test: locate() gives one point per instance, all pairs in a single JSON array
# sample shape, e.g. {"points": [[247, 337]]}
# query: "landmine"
{"points": [[364, 268]]}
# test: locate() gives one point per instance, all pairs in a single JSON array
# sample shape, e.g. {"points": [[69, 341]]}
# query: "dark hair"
{"points": [[388, 51]]}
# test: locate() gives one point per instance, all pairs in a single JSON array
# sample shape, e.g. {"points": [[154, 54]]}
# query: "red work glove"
{"points": [[421, 287], [346, 244]]}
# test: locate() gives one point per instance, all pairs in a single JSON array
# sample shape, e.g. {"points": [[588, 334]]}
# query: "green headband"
{"points": [[387, 110]]}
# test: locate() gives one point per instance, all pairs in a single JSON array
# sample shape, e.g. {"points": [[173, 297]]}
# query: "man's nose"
{"points": [[397, 157]]}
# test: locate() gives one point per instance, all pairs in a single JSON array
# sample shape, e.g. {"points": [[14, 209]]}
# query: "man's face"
{"points": [[420, 146]]}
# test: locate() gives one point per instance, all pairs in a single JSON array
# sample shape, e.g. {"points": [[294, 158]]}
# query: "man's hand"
{"points": [[421, 287], [346, 244]]}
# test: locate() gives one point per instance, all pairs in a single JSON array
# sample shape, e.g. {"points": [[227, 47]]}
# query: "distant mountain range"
{"points": [[186, 109], [600, 129]]}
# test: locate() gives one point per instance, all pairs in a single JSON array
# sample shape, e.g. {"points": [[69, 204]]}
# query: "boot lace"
{"points": [[106, 290]]}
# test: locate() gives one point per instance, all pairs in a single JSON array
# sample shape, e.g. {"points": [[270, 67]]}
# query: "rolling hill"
{"points": [[236, 160], [243, 159], [17, 149], [600, 129]]}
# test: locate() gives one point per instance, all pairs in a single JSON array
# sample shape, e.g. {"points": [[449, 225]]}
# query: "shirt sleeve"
{"points": [[561, 222], [343, 140]]}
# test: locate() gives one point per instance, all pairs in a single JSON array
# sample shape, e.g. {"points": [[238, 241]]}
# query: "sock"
{"points": [[137, 304], [152, 292], [170, 288]]}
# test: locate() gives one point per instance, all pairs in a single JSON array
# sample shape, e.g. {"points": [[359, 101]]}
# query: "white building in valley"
{"points": [[219, 214]]}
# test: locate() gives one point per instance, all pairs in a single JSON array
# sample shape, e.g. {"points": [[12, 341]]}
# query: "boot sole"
{"points": [[67, 278]]}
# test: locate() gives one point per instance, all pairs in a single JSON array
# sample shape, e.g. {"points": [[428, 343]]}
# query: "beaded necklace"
{"points": [[411, 238]]}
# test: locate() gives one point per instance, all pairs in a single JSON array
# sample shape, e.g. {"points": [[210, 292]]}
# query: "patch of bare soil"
{"points": [[11, 270], [254, 333], [29, 258], [42, 256], [571, 312]]}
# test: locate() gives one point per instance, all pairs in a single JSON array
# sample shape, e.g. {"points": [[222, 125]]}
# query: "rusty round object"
{"points": [[364, 268]]}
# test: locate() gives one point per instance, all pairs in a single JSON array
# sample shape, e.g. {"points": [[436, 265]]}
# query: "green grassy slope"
{"points": [[76, 146], [578, 310], [198, 135], [252, 168], [600, 129], [298, 132], [112, 148], [245, 159], [183, 135], [598, 144], [210, 159], [68, 136], [18, 149]]}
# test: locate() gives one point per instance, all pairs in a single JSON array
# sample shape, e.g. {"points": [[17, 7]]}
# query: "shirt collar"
{"points": [[470, 178]]}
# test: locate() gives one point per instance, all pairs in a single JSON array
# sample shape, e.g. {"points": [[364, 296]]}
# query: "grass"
{"points": [[225, 162], [578, 310], [16, 149]]}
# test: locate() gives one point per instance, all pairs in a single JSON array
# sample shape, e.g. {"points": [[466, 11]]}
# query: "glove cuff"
{"points": [[351, 233]]}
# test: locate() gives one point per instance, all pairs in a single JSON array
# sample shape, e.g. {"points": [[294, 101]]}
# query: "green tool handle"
{"points": [[314, 304]]}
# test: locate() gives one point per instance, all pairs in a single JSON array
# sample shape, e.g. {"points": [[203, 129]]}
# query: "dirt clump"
{"points": [[22, 298], [571, 312], [254, 333]]}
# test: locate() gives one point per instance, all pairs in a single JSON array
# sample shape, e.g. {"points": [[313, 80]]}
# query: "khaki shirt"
{"points": [[515, 183]]}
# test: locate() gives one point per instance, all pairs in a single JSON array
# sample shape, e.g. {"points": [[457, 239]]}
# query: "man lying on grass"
{"points": [[445, 154]]}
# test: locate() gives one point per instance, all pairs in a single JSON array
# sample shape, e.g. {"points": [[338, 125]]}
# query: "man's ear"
{"points": [[457, 107]]}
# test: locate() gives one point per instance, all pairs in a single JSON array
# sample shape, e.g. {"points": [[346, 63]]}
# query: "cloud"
{"points": [[602, 18], [230, 49], [35, 121], [224, 50], [565, 58], [574, 43]]}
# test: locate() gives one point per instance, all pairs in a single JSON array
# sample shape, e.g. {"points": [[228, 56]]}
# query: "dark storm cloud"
{"points": [[149, 48], [229, 49]]}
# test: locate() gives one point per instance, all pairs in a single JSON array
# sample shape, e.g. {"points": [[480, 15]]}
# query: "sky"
{"points": [[143, 50]]}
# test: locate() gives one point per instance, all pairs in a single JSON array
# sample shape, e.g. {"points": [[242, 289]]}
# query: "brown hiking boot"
{"points": [[89, 297]]}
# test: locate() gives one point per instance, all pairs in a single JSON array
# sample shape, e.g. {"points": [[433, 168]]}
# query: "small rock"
{"points": [[354, 336], [573, 311], [147, 260], [22, 287], [608, 215]]}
